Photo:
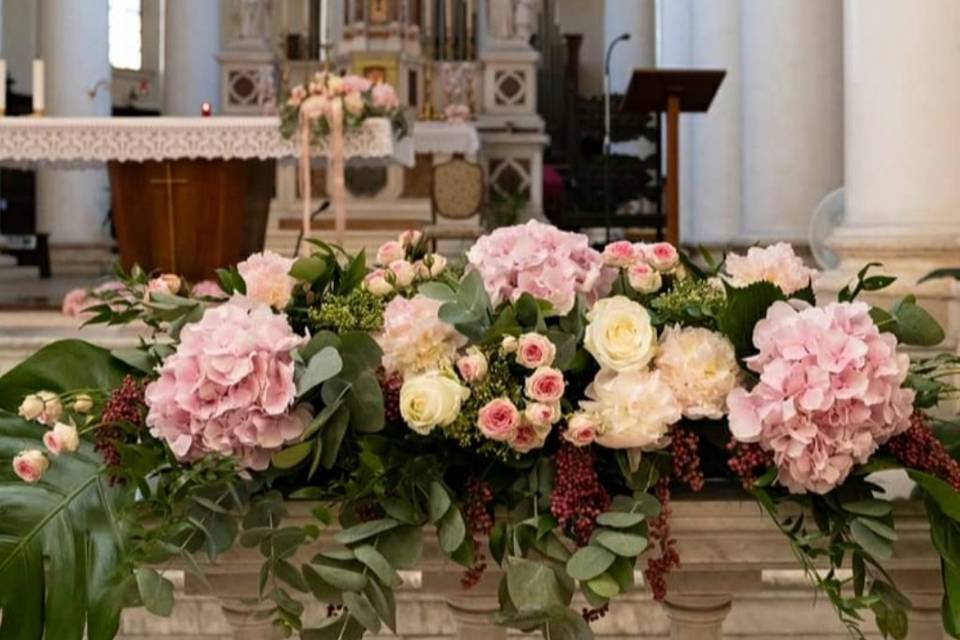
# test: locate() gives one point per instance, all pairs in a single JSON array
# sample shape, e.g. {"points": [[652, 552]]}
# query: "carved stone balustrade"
{"points": [[731, 554]]}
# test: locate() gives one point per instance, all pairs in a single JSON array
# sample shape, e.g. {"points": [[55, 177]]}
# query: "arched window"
{"points": [[126, 34]]}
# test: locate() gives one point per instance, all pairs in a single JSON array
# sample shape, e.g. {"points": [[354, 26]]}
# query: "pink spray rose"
{"points": [[541, 260], [830, 392], [376, 283], [403, 273], [62, 438], [229, 387], [498, 419], [30, 465], [390, 252], [267, 276], [541, 415], [473, 366], [535, 350], [643, 278], [662, 256], [620, 254], [410, 238], [526, 439], [582, 429], [546, 385]]}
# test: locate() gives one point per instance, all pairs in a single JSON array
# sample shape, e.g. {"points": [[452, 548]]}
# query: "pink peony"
{"points": [[830, 392], [535, 350], [546, 385], [384, 97], [498, 420], [541, 260], [620, 254], [414, 339], [267, 276], [229, 387], [777, 264]]}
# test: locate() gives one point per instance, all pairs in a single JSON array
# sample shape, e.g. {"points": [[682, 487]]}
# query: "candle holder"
{"points": [[427, 110], [38, 113]]}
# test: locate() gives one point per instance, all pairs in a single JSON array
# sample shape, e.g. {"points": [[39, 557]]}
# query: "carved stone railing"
{"points": [[727, 548]]}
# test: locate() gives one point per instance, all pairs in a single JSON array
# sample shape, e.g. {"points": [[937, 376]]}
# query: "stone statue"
{"points": [[500, 19], [254, 18], [526, 19]]}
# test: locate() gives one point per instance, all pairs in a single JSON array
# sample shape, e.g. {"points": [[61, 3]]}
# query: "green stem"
{"points": [[47, 518]]}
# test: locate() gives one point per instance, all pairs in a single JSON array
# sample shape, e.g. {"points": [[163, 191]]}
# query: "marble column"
{"points": [[902, 118], [792, 80], [72, 204], [190, 68]]}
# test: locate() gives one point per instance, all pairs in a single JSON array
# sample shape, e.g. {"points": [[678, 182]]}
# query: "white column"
{"points": [[191, 43], [902, 119], [71, 205], [638, 18], [792, 113]]}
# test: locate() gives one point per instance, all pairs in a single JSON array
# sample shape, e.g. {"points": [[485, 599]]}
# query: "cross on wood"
{"points": [[169, 181]]}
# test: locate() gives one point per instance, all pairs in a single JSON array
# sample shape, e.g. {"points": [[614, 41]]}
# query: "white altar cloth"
{"points": [[69, 142]]}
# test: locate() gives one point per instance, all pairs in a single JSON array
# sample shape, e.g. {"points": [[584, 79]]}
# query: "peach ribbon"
{"points": [[312, 108]]}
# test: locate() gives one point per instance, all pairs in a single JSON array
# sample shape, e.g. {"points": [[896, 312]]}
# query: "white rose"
{"points": [[82, 403], [403, 273], [700, 366], [509, 344], [51, 409], [619, 334], [430, 400], [376, 283], [63, 438], [635, 409], [31, 408]]}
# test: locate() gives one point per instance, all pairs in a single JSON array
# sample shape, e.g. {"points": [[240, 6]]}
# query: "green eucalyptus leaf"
{"points": [[451, 530], [439, 501], [366, 530], [437, 291], [156, 592], [378, 564], [332, 437], [604, 586], [292, 456], [532, 585], [872, 508], [628, 545], [402, 546], [589, 562], [340, 578], [361, 609], [875, 545], [322, 366], [619, 519]]}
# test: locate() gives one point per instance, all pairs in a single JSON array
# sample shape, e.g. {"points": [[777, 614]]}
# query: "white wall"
{"points": [[586, 17], [19, 41]]}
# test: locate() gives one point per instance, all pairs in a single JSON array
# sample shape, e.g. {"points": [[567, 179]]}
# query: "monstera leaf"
{"points": [[61, 539]]}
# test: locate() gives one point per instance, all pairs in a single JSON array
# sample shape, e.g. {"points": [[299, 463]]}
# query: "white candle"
{"points": [[38, 93], [3, 86]]}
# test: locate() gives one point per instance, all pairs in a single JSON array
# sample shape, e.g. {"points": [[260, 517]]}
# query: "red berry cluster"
{"points": [[918, 448], [685, 446], [578, 497], [746, 460], [125, 406], [659, 530], [479, 525], [592, 615], [390, 386]]}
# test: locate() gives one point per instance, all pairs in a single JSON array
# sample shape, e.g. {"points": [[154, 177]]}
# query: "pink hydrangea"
{"points": [[830, 392], [358, 84], [414, 339], [541, 260], [229, 387], [384, 97], [777, 264], [267, 276]]}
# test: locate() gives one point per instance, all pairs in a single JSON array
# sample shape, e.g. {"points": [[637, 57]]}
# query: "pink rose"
{"points": [[403, 272], [30, 465], [619, 254], [63, 438], [167, 283], [390, 252], [535, 350], [541, 415], [376, 283], [384, 97], [526, 439], [643, 278], [498, 420], [582, 429], [546, 385], [473, 366], [662, 255]]}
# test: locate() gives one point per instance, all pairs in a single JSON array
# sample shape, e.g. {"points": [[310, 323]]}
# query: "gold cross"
{"points": [[169, 181]]}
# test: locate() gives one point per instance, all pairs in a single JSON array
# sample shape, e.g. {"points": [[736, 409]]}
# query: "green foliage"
{"points": [[745, 307], [358, 310], [690, 302]]}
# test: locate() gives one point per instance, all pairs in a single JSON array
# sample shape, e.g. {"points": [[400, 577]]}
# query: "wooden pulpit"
{"points": [[672, 91], [189, 217]]}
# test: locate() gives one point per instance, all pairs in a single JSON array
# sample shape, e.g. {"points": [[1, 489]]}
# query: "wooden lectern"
{"points": [[671, 91]]}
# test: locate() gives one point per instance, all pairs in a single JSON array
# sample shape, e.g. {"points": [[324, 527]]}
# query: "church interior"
{"points": [[145, 132]]}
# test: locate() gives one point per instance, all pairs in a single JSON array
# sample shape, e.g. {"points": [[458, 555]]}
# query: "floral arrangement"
{"points": [[359, 97], [536, 406]]}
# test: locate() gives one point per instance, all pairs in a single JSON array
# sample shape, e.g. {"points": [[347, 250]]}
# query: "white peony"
{"points": [[635, 409], [619, 334], [777, 264], [700, 366], [430, 400]]}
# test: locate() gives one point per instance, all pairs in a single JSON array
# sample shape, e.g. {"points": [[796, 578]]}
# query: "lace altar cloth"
{"points": [[78, 142]]}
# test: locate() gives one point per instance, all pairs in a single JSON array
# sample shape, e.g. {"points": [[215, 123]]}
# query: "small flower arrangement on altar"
{"points": [[536, 405], [355, 96]]}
